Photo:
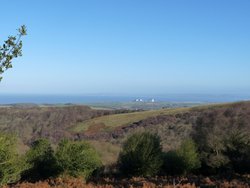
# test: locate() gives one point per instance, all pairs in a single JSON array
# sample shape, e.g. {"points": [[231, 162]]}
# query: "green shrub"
{"points": [[77, 158], [188, 153], [11, 165], [173, 164], [183, 160], [141, 155], [41, 161]]}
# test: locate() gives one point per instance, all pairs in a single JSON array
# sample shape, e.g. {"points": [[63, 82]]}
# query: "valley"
{"points": [[107, 129]]}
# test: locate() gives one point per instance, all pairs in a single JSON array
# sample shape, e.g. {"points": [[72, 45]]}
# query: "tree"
{"points": [[209, 135], [41, 161], [223, 141], [183, 160], [12, 48], [11, 165], [238, 151], [77, 158], [189, 155], [141, 155]]}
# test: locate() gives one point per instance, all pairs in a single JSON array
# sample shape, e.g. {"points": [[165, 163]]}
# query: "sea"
{"points": [[90, 99]]}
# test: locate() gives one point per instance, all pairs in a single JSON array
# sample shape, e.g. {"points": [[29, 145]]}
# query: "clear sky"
{"points": [[129, 46]]}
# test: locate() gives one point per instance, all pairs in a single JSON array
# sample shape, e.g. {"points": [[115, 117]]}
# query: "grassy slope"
{"points": [[109, 150], [111, 121]]}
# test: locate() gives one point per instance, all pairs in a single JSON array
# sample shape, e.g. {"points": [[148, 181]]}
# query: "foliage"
{"points": [[12, 48], [210, 140], [220, 133], [11, 165], [173, 164], [188, 153], [223, 139], [238, 151], [77, 158], [141, 155], [182, 161], [41, 160]]}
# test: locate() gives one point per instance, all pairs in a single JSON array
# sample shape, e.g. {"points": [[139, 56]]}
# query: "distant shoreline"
{"points": [[94, 99]]}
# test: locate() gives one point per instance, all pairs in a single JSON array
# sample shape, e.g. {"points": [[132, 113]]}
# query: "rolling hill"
{"points": [[106, 129]]}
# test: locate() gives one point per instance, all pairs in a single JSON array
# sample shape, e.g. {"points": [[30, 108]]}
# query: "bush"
{"points": [[173, 164], [141, 155], [11, 164], [189, 155], [41, 161], [77, 158], [238, 151], [183, 160]]}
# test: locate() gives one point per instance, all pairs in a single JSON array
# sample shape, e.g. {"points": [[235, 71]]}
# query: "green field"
{"points": [[110, 121]]}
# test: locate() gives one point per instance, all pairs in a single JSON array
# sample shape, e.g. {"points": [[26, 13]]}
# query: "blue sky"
{"points": [[126, 47]]}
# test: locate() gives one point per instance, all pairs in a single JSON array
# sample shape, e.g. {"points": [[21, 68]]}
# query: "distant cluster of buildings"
{"points": [[141, 100]]}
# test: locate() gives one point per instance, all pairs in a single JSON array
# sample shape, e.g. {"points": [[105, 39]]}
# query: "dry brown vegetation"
{"points": [[107, 131], [173, 126], [31, 122], [136, 182]]}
